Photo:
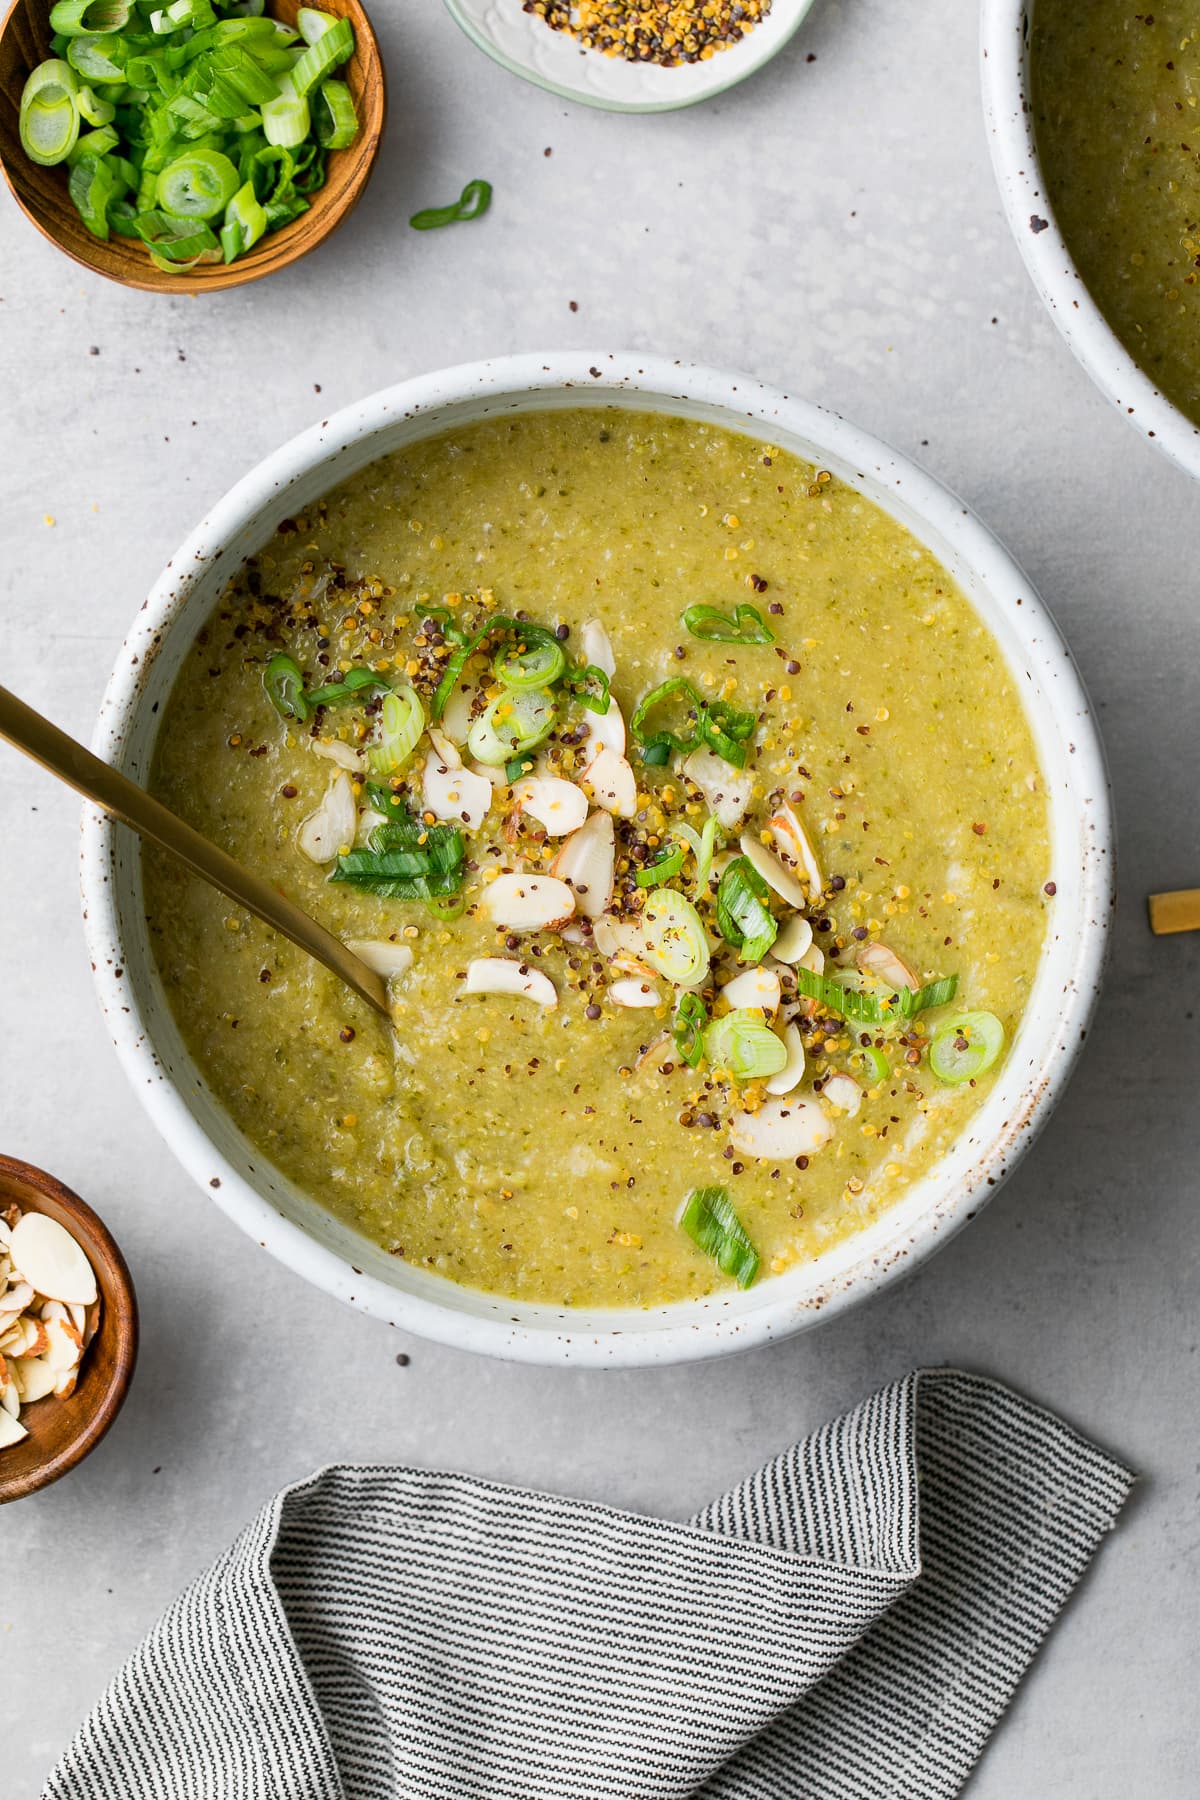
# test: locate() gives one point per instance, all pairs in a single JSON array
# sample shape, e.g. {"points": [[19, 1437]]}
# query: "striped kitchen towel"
{"points": [[849, 1624]]}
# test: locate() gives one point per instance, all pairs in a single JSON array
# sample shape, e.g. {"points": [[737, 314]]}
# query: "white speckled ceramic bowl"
{"points": [[524, 44], [302, 1234], [1004, 47]]}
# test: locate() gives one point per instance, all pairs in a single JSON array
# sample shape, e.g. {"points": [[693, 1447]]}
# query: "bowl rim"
{"points": [[1008, 115], [100, 1420], [757, 57], [687, 1330]]}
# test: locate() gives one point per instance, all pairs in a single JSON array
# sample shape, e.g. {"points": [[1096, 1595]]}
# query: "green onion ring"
{"points": [[712, 626]]}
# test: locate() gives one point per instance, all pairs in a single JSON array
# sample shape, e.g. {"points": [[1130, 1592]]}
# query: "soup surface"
{"points": [[1116, 96], [569, 1063]]}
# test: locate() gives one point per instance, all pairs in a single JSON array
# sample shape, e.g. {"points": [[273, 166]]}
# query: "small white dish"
{"points": [[525, 45], [273, 1210], [1004, 47]]}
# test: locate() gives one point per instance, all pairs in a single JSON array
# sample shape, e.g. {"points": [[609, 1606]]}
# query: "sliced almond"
{"points": [[781, 1130], [334, 824], [634, 991], [558, 805], [608, 728], [51, 1260], [64, 1387], [617, 937], [453, 793], [728, 791], [613, 782], [528, 902], [793, 940], [456, 719], [883, 963], [387, 959], [587, 861], [35, 1377], [792, 843], [10, 1400], [445, 747], [344, 755], [507, 975], [792, 1072], [813, 960], [79, 1319], [11, 1429], [843, 1091], [662, 1046], [597, 647], [756, 987], [781, 880], [486, 772], [65, 1346], [19, 1296]]}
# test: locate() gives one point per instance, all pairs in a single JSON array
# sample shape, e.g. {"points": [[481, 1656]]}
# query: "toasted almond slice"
{"points": [[5, 1233], [486, 772], [507, 975], [19, 1296], [344, 755], [625, 963], [781, 1130], [79, 1319], [727, 790], [65, 1346], [844, 1092], [64, 1387], [792, 1071], [558, 805], [613, 782], [755, 987], [11, 1429], [387, 959], [791, 840], [633, 990], [334, 824], [528, 902], [662, 1046], [772, 870], [445, 747], [35, 1377], [454, 793], [882, 962], [37, 1336], [607, 728], [10, 1401], [456, 719], [597, 647], [617, 937], [813, 959], [54, 1309], [793, 940], [587, 860]]}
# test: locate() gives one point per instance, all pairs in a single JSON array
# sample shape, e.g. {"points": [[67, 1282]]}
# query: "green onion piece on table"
{"points": [[284, 684], [966, 1047], [744, 916], [402, 720], [472, 203], [663, 868], [712, 626], [744, 1043], [691, 1017], [710, 1221]]}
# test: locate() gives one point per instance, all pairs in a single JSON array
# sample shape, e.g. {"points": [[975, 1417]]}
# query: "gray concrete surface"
{"points": [[833, 227]]}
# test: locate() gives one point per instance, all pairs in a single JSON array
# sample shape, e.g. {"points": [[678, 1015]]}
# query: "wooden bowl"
{"points": [[61, 1432], [42, 193]]}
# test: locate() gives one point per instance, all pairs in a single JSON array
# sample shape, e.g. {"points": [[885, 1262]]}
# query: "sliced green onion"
{"points": [[512, 724], [710, 1221], [459, 661], [702, 844], [355, 683], [656, 754], [663, 868], [691, 1016], [878, 1064], [744, 915], [443, 618], [517, 768], [49, 119], [93, 110], [98, 143], [712, 626], [965, 1047], [675, 942], [312, 24], [89, 18], [660, 739], [744, 1043], [934, 993], [284, 686], [334, 47], [245, 223], [91, 186], [590, 687], [285, 120], [197, 185], [535, 660], [472, 203], [724, 729], [846, 1002], [334, 117], [405, 859], [95, 58], [402, 720]]}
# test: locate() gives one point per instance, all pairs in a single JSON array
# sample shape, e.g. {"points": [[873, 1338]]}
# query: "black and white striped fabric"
{"points": [[848, 1624]]}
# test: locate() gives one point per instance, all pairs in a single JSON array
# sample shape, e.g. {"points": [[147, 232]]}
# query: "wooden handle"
{"points": [[1179, 911], [108, 788]]}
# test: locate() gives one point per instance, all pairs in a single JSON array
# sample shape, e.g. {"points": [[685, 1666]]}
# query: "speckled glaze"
{"points": [[524, 45], [310, 1241], [1004, 48]]}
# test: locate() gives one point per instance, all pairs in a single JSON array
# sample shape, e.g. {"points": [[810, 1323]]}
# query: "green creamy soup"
{"points": [[1116, 99], [570, 1063]]}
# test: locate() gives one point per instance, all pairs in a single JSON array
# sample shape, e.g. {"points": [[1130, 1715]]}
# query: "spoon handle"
{"points": [[108, 788]]}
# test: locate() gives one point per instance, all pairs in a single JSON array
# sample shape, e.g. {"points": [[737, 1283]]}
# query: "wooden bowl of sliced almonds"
{"points": [[68, 1329]]}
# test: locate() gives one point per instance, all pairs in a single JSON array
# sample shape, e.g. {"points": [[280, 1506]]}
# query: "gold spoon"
{"points": [[96, 781]]}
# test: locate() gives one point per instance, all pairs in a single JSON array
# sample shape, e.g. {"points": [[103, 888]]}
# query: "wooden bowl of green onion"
{"points": [[188, 145]]}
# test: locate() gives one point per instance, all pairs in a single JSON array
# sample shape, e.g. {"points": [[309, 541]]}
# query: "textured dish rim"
{"points": [[1075, 950], [1008, 114], [526, 72]]}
